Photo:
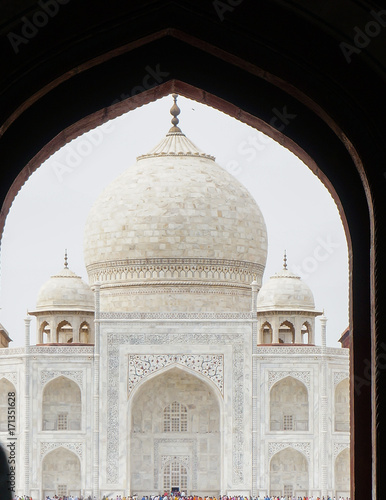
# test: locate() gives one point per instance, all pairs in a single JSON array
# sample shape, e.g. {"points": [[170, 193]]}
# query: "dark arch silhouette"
{"points": [[284, 67], [5, 490]]}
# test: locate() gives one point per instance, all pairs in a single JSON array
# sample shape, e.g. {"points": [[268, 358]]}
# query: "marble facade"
{"points": [[176, 367]]}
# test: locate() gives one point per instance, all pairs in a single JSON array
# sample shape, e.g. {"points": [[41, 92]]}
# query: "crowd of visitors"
{"points": [[182, 496]]}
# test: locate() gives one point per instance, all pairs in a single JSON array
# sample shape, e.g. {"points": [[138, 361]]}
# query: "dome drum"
{"points": [[175, 298]]}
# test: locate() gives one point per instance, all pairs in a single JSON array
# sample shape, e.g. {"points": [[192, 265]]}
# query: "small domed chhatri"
{"points": [[285, 290], [286, 309], [65, 291], [65, 309], [175, 232]]}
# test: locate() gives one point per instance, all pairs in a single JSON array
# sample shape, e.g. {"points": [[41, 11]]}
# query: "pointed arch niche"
{"points": [[61, 473], [61, 405], [342, 405], [289, 474], [177, 414], [342, 474], [289, 408]]}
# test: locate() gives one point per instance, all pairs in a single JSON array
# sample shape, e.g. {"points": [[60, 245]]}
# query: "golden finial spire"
{"points": [[65, 259], [175, 111], [285, 261]]}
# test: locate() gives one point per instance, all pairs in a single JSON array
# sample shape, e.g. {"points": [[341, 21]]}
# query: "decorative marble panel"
{"points": [[76, 375], [11, 376], [275, 376], [45, 447], [304, 351], [339, 376], [338, 447], [11, 351], [136, 271], [177, 315], [275, 447], [67, 349], [210, 365], [183, 459]]}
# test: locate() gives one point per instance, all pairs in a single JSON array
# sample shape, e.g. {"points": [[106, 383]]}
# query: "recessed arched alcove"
{"points": [[178, 414], [83, 99]]}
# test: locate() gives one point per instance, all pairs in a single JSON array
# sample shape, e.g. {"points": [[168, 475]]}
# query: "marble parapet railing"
{"points": [[177, 316], [305, 350], [49, 349]]}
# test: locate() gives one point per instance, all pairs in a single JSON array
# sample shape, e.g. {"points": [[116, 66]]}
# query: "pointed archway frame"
{"points": [[91, 94]]}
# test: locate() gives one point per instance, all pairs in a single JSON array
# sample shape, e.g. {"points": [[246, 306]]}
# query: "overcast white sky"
{"points": [[49, 213]]}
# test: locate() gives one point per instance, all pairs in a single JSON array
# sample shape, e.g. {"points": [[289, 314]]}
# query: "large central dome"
{"points": [[175, 232]]}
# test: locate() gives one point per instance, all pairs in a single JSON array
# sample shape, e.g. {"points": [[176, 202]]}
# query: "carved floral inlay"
{"points": [[339, 376], [76, 375], [45, 447], [210, 365], [275, 376], [275, 447], [338, 447]]}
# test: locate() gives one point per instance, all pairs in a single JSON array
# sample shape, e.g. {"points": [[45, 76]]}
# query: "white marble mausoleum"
{"points": [[175, 366]]}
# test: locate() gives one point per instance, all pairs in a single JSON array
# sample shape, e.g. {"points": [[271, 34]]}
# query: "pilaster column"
{"points": [[255, 401], [40, 334], [275, 331], [96, 394], [26, 409], [76, 320], [255, 289], [298, 330], [323, 412]]}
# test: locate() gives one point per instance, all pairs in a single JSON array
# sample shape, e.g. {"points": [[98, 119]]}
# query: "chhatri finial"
{"points": [[175, 111], [65, 259], [285, 261]]}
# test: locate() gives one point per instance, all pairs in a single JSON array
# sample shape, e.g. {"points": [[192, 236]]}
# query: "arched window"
{"points": [[266, 333], [286, 333], [175, 418], [45, 332], [84, 333], [175, 477], [306, 333], [65, 334]]}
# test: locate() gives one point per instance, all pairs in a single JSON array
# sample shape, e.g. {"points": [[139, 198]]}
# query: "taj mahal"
{"points": [[175, 367]]}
